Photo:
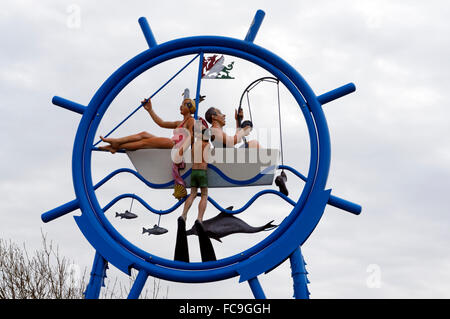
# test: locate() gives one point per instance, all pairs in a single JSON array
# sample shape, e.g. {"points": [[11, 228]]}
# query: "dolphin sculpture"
{"points": [[225, 224]]}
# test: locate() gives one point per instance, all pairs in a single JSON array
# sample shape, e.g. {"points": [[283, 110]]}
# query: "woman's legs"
{"points": [[116, 142], [151, 142], [135, 142]]}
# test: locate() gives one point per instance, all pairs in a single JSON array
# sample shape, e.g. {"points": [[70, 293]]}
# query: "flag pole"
{"points": [[199, 82]]}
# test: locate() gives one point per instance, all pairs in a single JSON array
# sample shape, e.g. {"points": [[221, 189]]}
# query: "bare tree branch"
{"points": [[46, 274]]}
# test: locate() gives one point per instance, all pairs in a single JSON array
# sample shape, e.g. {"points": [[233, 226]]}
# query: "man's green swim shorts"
{"points": [[199, 178]]}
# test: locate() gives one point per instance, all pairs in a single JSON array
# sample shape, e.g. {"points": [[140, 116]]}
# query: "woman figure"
{"points": [[181, 130], [147, 140]]}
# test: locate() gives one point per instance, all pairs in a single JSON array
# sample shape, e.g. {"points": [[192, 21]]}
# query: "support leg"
{"points": [[256, 288], [299, 275], [138, 285], [98, 275]]}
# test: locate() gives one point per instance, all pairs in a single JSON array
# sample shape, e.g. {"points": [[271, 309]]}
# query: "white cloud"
{"points": [[390, 149]]}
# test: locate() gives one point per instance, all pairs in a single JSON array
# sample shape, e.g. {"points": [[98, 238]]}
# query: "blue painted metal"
{"points": [[97, 228], [212, 201], [97, 279], [279, 245], [60, 211], [139, 176], [199, 84], [282, 248], [148, 34], [251, 200], [184, 176], [294, 171], [240, 182], [333, 200], [345, 205], [256, 288], [298, 272], [69, 105], [254, 27], [73, 205], [336, 93], [138, 285], [144, 203]]}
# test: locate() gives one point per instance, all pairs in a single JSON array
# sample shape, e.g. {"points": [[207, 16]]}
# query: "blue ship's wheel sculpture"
{"points": [[284, 242]]}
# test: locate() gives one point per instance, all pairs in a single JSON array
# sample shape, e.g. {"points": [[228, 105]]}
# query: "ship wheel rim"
{"points": [[91, 118]]}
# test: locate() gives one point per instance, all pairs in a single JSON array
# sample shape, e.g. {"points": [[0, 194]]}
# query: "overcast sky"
{"points": [[390, 144]]}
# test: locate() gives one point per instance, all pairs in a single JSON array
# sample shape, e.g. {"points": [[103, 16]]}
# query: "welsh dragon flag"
{"points": [[214, 68]]}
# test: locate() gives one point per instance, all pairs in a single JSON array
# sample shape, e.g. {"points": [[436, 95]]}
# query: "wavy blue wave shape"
{"points": [[186, 174], [179, 203]]}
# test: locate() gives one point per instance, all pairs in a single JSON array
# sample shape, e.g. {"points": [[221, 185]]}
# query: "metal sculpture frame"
{"points": [[282, 243]]}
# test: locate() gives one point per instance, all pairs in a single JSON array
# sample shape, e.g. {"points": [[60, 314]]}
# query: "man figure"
{"points": [[199, 179], [219, 138]]}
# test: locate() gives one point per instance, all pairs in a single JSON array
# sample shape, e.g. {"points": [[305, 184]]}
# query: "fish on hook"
{"points": [[225, 224], [280, 181], [156, 230], [126, 215]]}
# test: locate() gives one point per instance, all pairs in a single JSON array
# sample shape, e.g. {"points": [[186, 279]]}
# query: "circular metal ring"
{"points": [[292, 232]]}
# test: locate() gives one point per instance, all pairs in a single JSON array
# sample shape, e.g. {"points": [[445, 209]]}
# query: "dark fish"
{"points": [[226, 224], [156, 230], [280, 181], [126, 215]]}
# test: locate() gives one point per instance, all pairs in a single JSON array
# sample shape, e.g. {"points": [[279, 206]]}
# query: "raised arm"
{"points": [[160, 122], [238, 117], [227, 140]]}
